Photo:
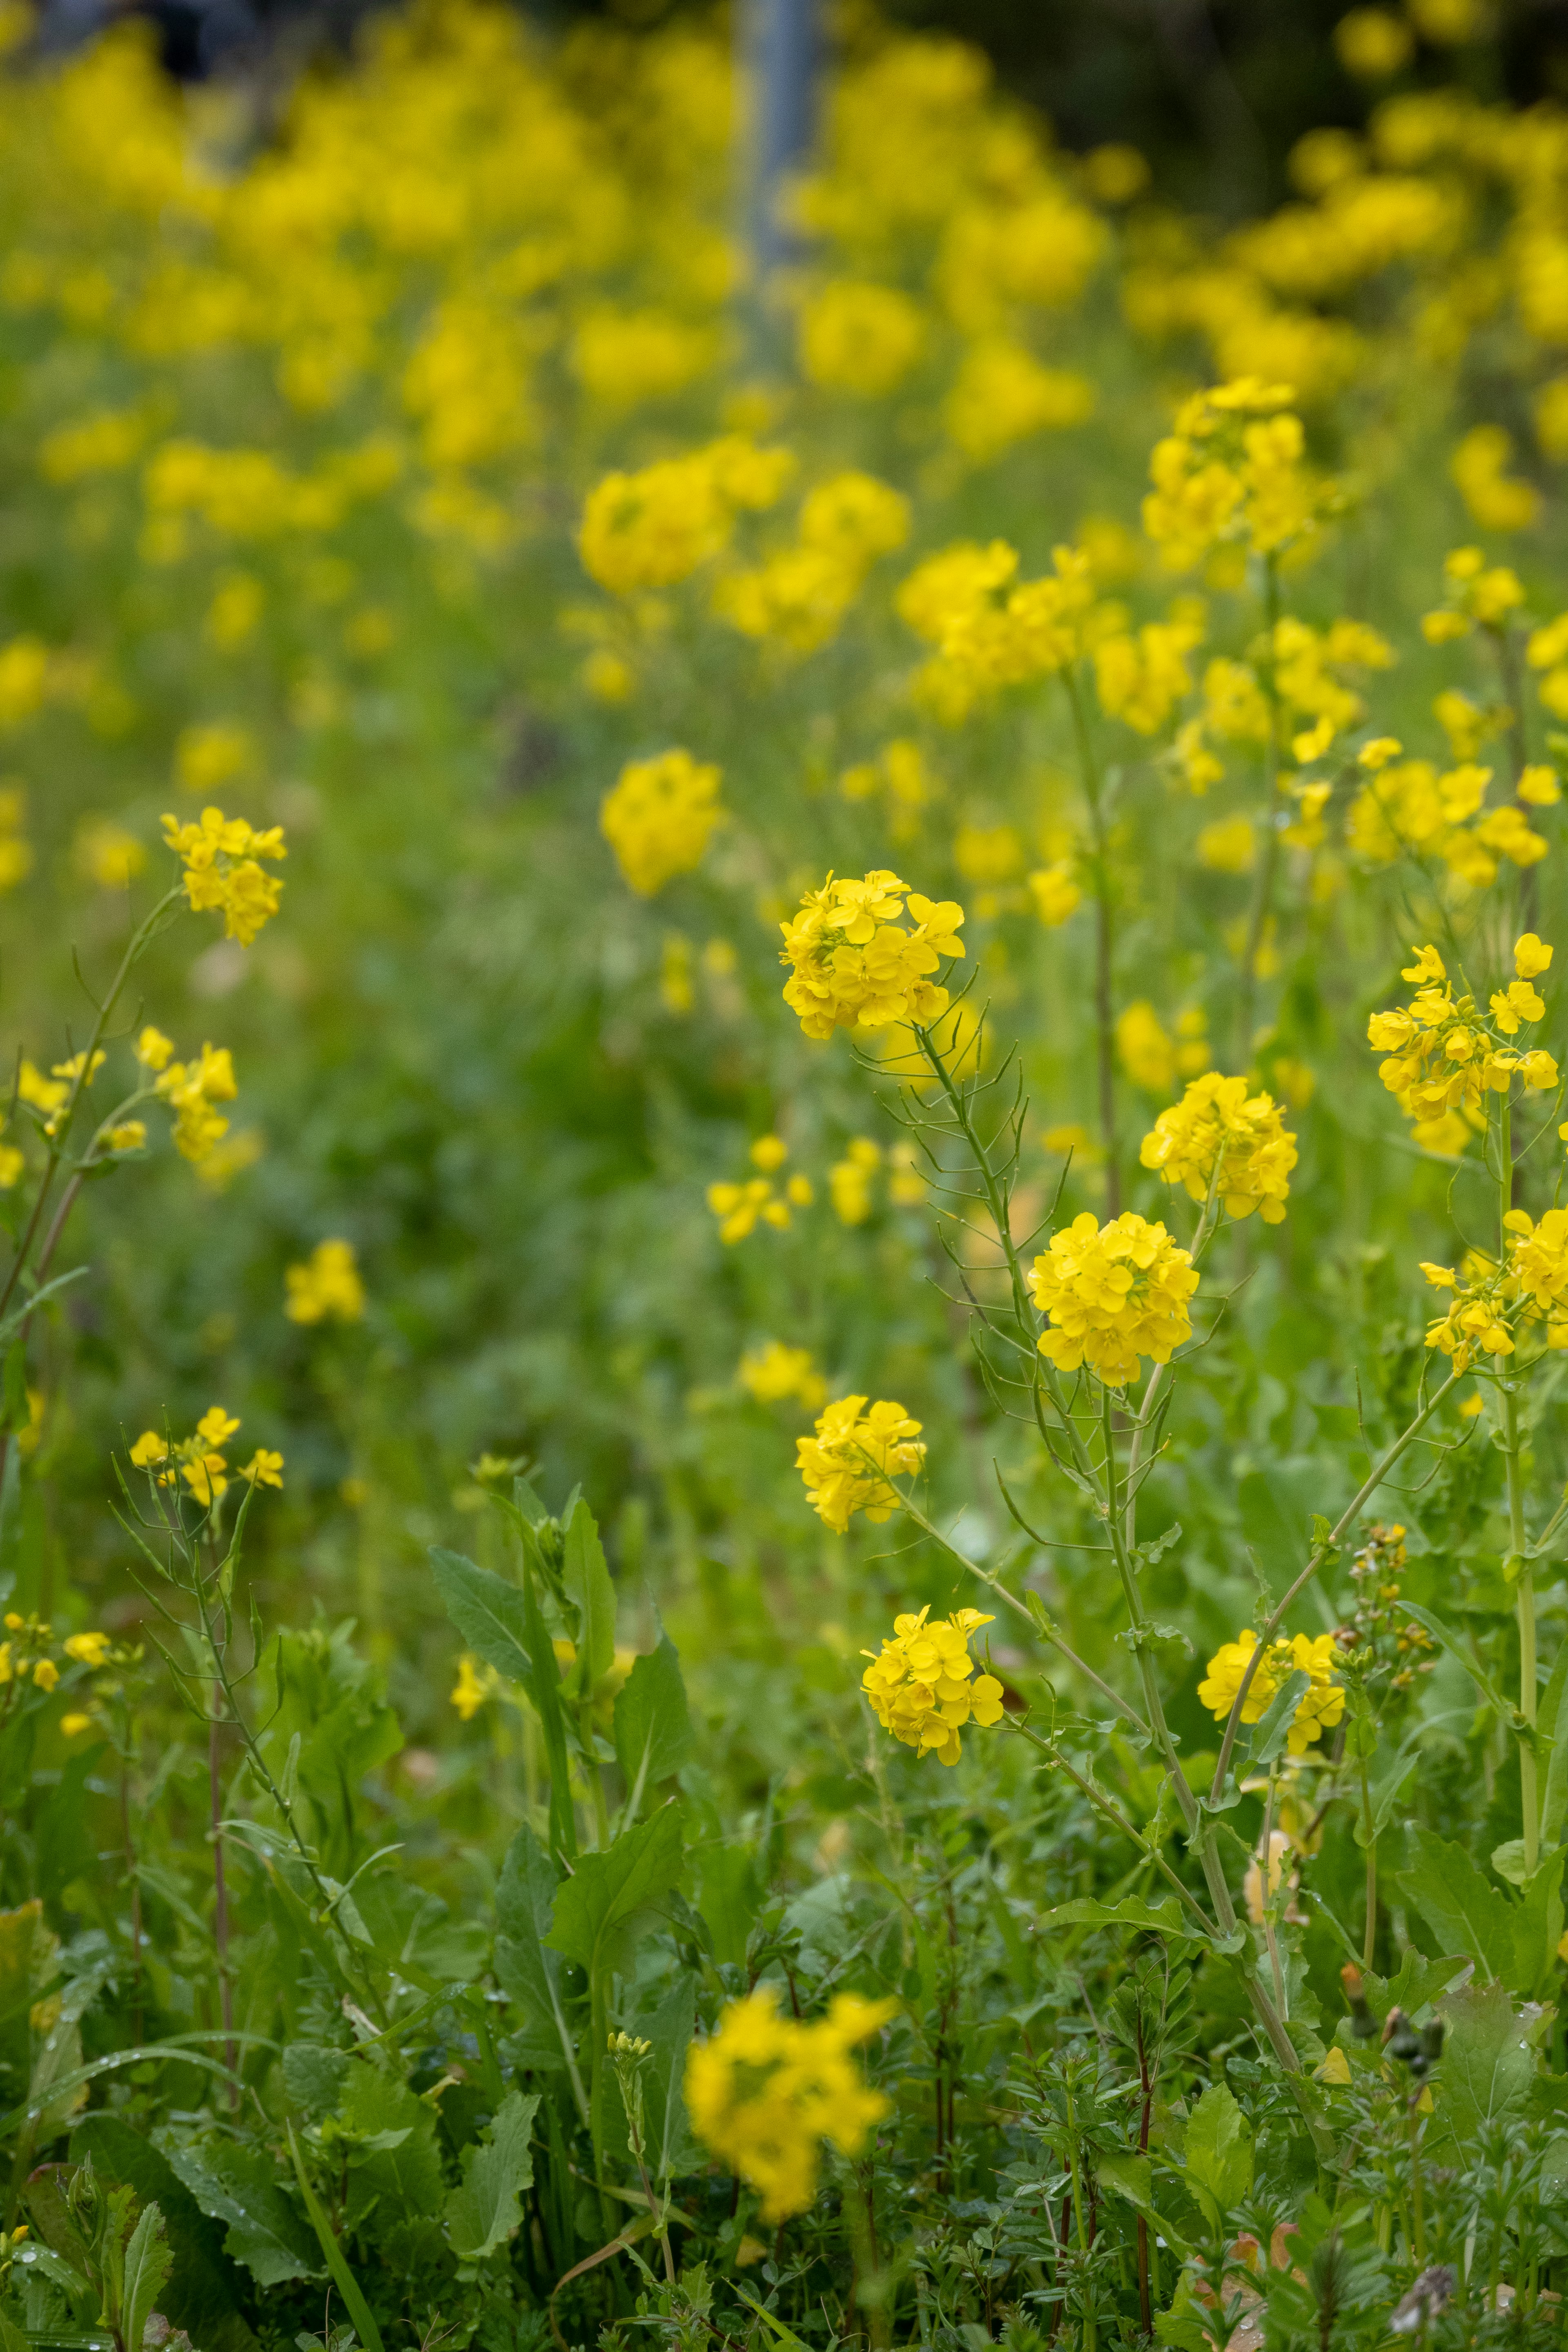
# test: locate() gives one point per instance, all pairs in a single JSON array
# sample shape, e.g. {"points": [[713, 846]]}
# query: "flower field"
{"points": [[783, 1502]]}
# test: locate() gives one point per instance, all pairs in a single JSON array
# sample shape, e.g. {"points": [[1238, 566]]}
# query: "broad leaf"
{"points": [[1464, 1912], [1274, 1727], [652, 1726], [1553, 1717], [239, 2185], [396, 2167], [482, 2214], [205, 2291], [617, 1897], [1166, 1918], [532, 1975], [1217, 2153], [1538, 1928], [670, 2147], [586, 1579], [148, 2263], [487, 1610], [1489, 2068]]}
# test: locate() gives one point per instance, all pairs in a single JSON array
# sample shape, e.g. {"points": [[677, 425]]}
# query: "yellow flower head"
{"points": [[1317, 1710], [849, 1463], [1531, 959], [658, 817], [149, 1450], [327, 1288], [222, 873], [773, 1372], [924, 1688], [765, 2091], [852, 962], [89, 1649], [475, 1683], [1112, 1295], [1217, 1120]]}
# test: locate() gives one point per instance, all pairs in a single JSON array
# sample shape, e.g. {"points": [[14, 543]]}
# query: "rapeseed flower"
{"points": [[1113, 1293], [658, 817], [1216, 1120], [764, 2091], [924, 1688], [222, 873], [773, 1371], [852, 964], [1444, 1055], [849, 1463], [327, 1288], [1317, 1710], [191, 1088]]}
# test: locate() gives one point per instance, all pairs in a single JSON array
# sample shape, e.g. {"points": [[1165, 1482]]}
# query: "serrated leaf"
{"points": [[1273, 1727], [587, 1585], [1217, 2153], [1465, 1911], [148, 2263], [487, 1610], [239, 2185], [1165, 1918], [393, 2163], [1487, 2071], [481, 2215]]}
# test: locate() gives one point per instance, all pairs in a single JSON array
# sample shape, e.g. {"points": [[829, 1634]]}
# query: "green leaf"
{"points": [[1165, 1918], [414, 1932], [400, 2177], [1487, 2071], [1553, 1717], [586, 1579], [482, 2214], [617, 1897], [1389, 1771], [1537, 1928], [204, 2290], [1132, 2176], [239, 2185], [532, 1975], [487, 1610], [670, 2147], [1274, 1727], [1217, 2153], [652, 1726], [148, 2263], [343, 2279], [1456, 1649], [1465, 1911]]}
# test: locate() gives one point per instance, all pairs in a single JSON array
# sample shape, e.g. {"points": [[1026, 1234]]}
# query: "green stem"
{"points": [[1518, 1566], [1369, 1939], [1417, 2215]]}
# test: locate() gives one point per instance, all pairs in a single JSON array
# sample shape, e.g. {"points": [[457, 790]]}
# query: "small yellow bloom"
{"points": [[73, 1724], [149, 1450], [88, 1648], [475, 1683], [327, 1288], [264, 1468], [46, 1674], [1531, 959], [849, 1463], [768, 1152]]}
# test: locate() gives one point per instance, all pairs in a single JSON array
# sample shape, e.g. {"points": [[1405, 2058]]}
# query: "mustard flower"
{"points": [[477, 1684], [658, 817], [924, 1688], [765, 2091], [849, 1463], [191, 1088], [1443, 1056], [327, 1288], [1320, 1706], [89, 1649], [222, 873], [652, 529], [741, 1208], [1113, 1293], [1217, 1119], [775, 1372], [851, 964]]}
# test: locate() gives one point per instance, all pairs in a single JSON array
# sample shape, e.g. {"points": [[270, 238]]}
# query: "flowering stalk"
{"points": [[1519, 1567], [1104, 1023]]}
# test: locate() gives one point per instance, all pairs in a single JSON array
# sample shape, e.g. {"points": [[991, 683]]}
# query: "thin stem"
{"points": [[220, 1894], [1369, 1936], [1368, 1487], [1270, 1937], [1110, 1812], [1518, 1566]]}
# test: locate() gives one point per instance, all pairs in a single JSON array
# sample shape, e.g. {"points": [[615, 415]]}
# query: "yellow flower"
{"points": [[191, 1088], [848, 1465], [221, 873], [851, 963], [475, 1683], [1317, 1710], [216, 1427], [773, 1372], [264, 1468], [766, 2090], [849, 1181], [1217, 1118], [1146, 1051], [920, 1687], [89, 1649], [149, 1450], [1112, 1295], [860, 337], [327, 1288], [108, 855], [741, 1207], [658, 817], [153, 1049], [1531, 959], [652, 529], [1056, 892], [73, 1724]]}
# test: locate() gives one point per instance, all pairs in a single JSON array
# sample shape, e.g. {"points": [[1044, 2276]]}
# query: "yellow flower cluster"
{"points": [[1498, 501], [657, 818], [476, 1685], [1313, 701], [1321, 1705], [765, 2091], [1444, 1055], [799, 596], [1003, 394], [773, 1373], [741, 1208], [1232, 469], [200, 1460], [1112, 1295], [924, 1688], [222, 873], [1490, 1301], [853, 965], [1476, 596], [654, 528], [1217, 1120], [989, 632], [850, 1463], [1409, 806], [190, 1089], [1139, 678], [327, 1288]]}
